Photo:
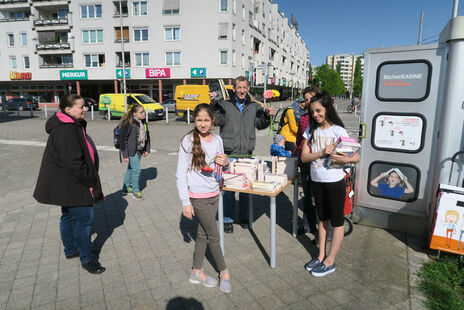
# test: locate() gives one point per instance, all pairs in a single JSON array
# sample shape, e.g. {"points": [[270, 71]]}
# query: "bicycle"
{"points": [[355, 104]]}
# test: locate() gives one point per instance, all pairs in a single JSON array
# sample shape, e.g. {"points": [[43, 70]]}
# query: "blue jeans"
{"points": [[229, 203], [75, 229], [133, 173]]}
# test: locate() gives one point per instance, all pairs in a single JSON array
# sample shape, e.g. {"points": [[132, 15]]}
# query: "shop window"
{"points": [[403, 80], [395, 181], [398, 132]]}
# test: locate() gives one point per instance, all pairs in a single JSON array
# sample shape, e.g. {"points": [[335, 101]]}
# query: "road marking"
{"points": [[42, 144]]}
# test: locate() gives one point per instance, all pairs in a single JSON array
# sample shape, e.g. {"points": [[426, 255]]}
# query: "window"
{"points": [[234, 36], [23, 36], [94, 60], [141, 35], [119, 59], [125, 34], [243, 12], [117, 10], [91, 11], [92, 36], [223, 5], [13, 64], [142, 59], [223, 29], [172, 58], [26, 62], [171, 7], [223, 57], [139, 8], [171, 33], [10, 40], [243, 37], [63, 13]]}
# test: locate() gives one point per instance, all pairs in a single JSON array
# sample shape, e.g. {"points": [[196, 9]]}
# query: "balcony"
{"points": [[119, 40], [51, 24], [52, 46], [42, 3], [17, 19], [13, 4], [56, 65]]}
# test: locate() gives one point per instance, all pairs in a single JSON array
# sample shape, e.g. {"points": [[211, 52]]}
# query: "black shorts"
{"points": [[330, 201]]}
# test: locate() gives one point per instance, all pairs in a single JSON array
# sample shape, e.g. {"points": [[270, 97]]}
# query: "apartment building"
{"points": [[54, 46], [347, 66]]}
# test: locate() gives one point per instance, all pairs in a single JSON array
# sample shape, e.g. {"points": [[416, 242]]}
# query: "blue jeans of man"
{"points": [[132, 177], [229, 204], [75, 229]]}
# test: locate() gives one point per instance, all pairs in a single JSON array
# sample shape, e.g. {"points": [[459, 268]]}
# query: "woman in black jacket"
{"points": [[69, 178], [134, 141]]}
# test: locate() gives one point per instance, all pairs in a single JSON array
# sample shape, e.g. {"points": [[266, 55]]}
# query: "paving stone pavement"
{"points": [[147, 247]]}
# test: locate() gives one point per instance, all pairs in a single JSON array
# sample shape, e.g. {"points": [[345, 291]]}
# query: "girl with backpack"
{"points": [[328, 182], [134, 142], [201, 159]]}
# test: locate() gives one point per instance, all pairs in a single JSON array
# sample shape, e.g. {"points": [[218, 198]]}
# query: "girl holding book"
{"points": [[395, 184], [327, 181], [200, 152]]}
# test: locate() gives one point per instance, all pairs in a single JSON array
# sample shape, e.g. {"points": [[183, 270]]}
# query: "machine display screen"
{"points": [[403, 80]]}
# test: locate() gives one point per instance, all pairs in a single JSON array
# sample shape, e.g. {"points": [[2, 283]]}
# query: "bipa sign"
{"points": [[158, 72]]}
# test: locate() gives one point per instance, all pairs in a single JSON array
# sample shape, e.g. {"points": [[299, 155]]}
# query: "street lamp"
{"points": [[293, 75], [123, 58]]}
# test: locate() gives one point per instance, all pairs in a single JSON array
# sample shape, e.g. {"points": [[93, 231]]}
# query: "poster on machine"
{"points": [[402, 133], [448, 230]]}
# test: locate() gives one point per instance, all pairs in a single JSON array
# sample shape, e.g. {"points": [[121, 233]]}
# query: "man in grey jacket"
{"points": [[238, 119]]}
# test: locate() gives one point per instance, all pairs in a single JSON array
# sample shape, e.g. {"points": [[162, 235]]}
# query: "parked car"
{"points": [[90, 102], [21, 104], [170, 104]]}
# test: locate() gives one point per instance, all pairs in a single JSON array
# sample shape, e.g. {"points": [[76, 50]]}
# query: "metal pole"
{"points": [[45, 106], [221, 223], [91, 111], [32, 110], [455, 8], [146, 115], [273, 233], [167, 116], [265, 83], [419, 40], [123, 58], [188, 115]]}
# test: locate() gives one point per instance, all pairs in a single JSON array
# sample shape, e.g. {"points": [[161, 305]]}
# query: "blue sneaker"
{"points": [[322, 270], [312, 264]]}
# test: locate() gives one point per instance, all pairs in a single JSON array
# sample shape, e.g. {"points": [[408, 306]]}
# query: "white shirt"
{"points": [[322, 139]]}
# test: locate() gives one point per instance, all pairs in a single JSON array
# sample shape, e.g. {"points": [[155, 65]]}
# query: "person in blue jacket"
{"points": [[278, 147]]}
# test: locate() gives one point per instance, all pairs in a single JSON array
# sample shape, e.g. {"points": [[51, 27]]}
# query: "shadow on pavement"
{"points": [[147, 174], [109, 215], [184, 303], [12, 116]]}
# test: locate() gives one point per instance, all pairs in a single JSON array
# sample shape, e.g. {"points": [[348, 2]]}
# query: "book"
{"points": [[346, 145], [398, 171]]}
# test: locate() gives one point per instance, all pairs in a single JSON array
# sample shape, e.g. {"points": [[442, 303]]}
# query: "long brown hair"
{"points": [[198, 155], [129, 116]]}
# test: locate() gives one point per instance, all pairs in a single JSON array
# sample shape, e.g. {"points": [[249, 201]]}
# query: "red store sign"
{"points": [[158, 72], [15, 75]]}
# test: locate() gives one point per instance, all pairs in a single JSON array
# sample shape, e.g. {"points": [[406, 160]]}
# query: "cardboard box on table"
{"points": [[448, 224]]}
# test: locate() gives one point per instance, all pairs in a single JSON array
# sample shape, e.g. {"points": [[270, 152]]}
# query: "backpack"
{"points": [[279, 120], [116, 137]]}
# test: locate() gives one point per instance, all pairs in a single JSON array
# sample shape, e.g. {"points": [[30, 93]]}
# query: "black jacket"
{"points": [[68, 176], [237, 130], [128, 137]]}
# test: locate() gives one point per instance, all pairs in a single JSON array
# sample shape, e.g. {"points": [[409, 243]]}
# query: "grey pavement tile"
{"points": [[68, 304], [19, 303], [100, 306], [91, 298], [118, 302], [288, 295], [23, 292], [240, 297], [141, 298], [271, 302], [323, 301], [43, 299], [303, 305], [136, 286], [219, 302]]}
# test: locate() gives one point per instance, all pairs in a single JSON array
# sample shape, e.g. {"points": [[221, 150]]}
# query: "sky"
{"points": [[351, 26]]}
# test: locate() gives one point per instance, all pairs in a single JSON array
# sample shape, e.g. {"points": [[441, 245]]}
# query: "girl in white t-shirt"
{"points": [[328, 184]]}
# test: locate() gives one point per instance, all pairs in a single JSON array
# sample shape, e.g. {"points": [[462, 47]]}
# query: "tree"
{"points": [[339, 67], [329, 80], [357, 79]]}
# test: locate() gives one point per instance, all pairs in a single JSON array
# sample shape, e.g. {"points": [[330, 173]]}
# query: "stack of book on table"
{"points": [[235, 180], [263, 186]]}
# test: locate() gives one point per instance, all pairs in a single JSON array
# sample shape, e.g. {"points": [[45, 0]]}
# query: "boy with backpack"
{"points": [[289, 124]]}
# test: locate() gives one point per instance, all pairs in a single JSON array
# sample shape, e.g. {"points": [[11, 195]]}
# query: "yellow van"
{"points": [[115, 104], [189, 96]]}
